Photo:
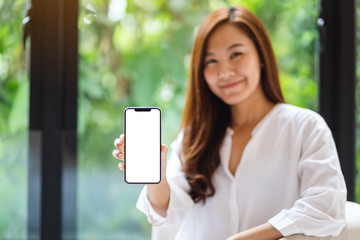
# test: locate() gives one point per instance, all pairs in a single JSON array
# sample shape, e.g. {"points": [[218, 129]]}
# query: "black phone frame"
{"points": [[142, 109]]}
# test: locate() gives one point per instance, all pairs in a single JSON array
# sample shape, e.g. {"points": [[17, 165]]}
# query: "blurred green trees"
{"points": [[132, 53], [14, 95], [141, 56]]}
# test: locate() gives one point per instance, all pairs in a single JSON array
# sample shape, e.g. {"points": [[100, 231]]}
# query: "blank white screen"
{"points": [[142, 146]]}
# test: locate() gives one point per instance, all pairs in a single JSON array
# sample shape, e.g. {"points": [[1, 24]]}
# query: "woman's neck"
{"points": [[250, 112]]}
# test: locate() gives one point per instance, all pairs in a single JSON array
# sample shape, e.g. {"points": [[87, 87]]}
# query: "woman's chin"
{"points": [[232, 102]]}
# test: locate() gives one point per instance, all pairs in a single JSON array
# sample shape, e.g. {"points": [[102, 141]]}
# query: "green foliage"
{"points": [[142, 59], [14, 89]]}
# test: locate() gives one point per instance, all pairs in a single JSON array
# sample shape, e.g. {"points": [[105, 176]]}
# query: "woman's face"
{"points": [[232, 65]]}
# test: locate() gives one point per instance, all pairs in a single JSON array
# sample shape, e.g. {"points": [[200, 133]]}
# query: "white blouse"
{"points": [[289, 176]]}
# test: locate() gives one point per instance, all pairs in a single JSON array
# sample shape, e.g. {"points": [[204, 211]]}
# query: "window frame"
{"points": [[337, 28], [53, 119]]}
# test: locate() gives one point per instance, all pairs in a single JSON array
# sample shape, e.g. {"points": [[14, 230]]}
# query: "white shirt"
{"points": [[289, 175]]}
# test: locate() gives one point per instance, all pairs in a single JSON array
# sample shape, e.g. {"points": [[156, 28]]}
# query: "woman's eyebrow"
{"points": [[209, 54], [228, 49], [234, 46]]}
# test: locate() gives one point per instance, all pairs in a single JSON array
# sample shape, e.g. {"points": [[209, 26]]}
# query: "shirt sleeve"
{"points": [[320, 210], [180, 199]]}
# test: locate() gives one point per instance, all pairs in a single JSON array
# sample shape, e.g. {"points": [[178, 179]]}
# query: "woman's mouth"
{"points": [[231, 84]]}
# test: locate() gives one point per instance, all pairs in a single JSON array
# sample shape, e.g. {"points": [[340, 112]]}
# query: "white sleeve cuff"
{"points": [[144, 205], [179, 202], [284, 224]]}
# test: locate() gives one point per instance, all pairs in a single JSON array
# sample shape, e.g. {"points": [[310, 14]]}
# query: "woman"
{"points": [[245, 164]]}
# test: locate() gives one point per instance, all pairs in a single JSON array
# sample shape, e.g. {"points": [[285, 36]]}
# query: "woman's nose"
{"points": [[226, 71]]}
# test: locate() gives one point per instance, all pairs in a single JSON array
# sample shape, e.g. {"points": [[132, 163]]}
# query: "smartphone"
{"points": [[142, 130]]}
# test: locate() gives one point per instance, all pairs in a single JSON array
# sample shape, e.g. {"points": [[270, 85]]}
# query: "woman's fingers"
{"points": [[118, 154], [121, 166], [164, 150], [119, 143]]}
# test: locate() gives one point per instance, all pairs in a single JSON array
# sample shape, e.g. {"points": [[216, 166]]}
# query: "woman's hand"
{"points": [[119, 151], [119, 154], [262, 232], [158, 194]]}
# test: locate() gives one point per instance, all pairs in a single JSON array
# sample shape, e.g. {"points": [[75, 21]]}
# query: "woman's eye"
{"points": [[209, 61], [235, 54]]}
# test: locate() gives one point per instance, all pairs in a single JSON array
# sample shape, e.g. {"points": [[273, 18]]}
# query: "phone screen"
{"points": [[142, 145]]}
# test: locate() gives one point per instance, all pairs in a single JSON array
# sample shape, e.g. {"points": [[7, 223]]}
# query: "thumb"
{"points": [[164, 150]]}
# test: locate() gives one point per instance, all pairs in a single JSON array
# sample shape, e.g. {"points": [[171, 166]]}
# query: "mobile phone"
{"points": [[142, 130]]}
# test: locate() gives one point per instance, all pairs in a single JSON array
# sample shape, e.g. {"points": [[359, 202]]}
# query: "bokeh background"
{"points": [[133, 53]]}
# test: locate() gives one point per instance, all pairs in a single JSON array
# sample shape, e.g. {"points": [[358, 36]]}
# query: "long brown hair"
{"points": [[206, 117]]}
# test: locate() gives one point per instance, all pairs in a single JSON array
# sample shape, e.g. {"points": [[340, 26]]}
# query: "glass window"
{"points": [[136, 53], [14, 108], [133, 53]]}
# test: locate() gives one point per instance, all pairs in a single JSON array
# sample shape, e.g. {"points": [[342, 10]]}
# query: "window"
{"points": [[136, 53], [130, 53]]}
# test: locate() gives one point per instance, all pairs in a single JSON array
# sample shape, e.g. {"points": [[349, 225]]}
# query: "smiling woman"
{"points": [[234, 107], [232, 65]]}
